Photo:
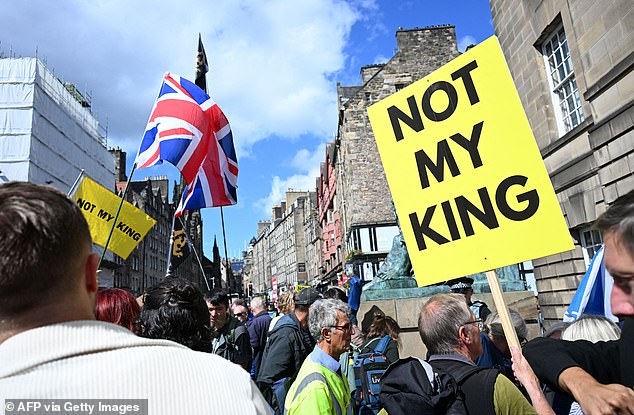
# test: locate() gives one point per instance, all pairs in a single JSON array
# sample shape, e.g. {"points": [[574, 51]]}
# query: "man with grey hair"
{"points": [[496, 352], [258, 328], [600, 376], [289, 343], [451, 333], [320, 387]]}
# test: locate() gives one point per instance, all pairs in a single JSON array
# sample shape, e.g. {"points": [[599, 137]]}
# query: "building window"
{"points": [[563, 84], [590, 243]]}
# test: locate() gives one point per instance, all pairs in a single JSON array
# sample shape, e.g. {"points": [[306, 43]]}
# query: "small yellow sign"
{"points": [[470, 187], [99, 206]]}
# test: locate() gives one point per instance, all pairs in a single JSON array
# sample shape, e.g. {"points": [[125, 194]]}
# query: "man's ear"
{"points": [[464, 335], [325, 333], [90, 273]]}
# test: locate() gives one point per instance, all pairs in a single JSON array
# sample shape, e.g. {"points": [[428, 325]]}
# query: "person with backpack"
{"points": [[450, 382], [382, 326], [258, 328], [230, 337], [376, 355], [288, 345], [320, 388]]}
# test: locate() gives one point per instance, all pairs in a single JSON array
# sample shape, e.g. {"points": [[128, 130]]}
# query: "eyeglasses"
{"points": [[477, 320], [344, 328], [244, 314]]}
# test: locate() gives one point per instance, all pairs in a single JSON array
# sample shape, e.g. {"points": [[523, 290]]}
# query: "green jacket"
{"points": [[318, 390]]}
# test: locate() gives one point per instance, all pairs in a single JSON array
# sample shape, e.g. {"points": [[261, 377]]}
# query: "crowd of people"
{"points": [[61, 336]]}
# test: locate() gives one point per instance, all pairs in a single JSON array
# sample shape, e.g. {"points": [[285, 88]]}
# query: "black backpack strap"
{"points": [[460, 373]]}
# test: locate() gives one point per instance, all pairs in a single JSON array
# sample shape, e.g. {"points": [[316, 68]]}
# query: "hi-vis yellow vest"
{"points": [[318, 391]]}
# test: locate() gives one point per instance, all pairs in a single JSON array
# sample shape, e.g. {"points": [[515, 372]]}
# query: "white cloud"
{"points": [[380, 59], [307, 161], [465, 41], [307, 164], [271, 61]]}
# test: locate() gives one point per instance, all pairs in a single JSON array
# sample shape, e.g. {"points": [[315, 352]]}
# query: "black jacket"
{"points": [[258, 333], [608, 362], [286, 348], [406, 390]]}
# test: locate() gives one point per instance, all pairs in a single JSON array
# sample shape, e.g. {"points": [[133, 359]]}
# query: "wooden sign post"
{"points": [[502, 309]]}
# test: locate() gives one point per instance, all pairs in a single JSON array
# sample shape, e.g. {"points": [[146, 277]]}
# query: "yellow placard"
{"points": [[470, 187], [99, 206]]}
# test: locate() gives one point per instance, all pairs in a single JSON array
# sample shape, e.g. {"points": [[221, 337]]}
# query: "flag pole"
{"points": [[116, 216], [168, 271], [224, 238], [202, 67], [72, 188], [197, 257]]}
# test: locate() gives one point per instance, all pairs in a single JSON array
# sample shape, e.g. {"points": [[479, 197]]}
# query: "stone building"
{"points": [[261, 269], [572, 66], [312, 238], [279, 249], [247, 259], [287, 242], [328, 213], [363, 199]]}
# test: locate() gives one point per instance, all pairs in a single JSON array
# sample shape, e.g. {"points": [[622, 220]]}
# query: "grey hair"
{"points": [[439, 321], [559, 326], [258, 303], [493, 325], [619, 218], [323, 313], [592, 328]]}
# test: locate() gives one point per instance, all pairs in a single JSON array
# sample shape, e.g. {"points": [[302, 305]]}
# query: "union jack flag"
{"points": [[187, 129]]}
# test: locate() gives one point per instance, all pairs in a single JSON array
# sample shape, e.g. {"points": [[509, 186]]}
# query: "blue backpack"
{"points": [[368, 369]]}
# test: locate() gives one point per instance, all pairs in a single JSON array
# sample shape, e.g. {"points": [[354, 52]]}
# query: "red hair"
{"points": [[117, 306]]}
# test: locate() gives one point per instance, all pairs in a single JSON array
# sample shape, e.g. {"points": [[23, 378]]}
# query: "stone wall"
{"points": [[593, 164], [363, 191], [405, 312]]}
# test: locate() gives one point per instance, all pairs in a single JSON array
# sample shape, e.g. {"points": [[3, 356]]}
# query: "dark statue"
{"points": [[396, 269]]}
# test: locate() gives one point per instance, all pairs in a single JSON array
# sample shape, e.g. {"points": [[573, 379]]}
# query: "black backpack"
{"points": [[413, 385]]}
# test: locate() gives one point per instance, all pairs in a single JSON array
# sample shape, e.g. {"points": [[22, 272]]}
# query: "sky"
{"points": [[274, 67]]}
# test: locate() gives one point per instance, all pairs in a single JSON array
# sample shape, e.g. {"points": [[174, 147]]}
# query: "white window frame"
{"points": [[562, 81], [591, 241]]}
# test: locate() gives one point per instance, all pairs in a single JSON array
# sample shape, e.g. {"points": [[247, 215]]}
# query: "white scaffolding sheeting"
{"points": [[46, 135]]}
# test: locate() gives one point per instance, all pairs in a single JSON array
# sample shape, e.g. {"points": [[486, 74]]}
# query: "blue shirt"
{"points": [[322, 358]]}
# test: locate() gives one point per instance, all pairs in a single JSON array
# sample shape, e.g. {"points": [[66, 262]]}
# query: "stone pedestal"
{"points": [[405, 311]]}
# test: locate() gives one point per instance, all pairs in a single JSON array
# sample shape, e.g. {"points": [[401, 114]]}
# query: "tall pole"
{"points": [[201, 80], [72, 188], [200, 264], [224, 238], [116, 216], [169, 270]]}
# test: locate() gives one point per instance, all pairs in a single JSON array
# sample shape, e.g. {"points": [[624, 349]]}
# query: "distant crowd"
{"points": [[61, 336]]}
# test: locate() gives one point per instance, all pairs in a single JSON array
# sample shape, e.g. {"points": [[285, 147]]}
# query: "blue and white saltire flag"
{"points": [[593, 293]]}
